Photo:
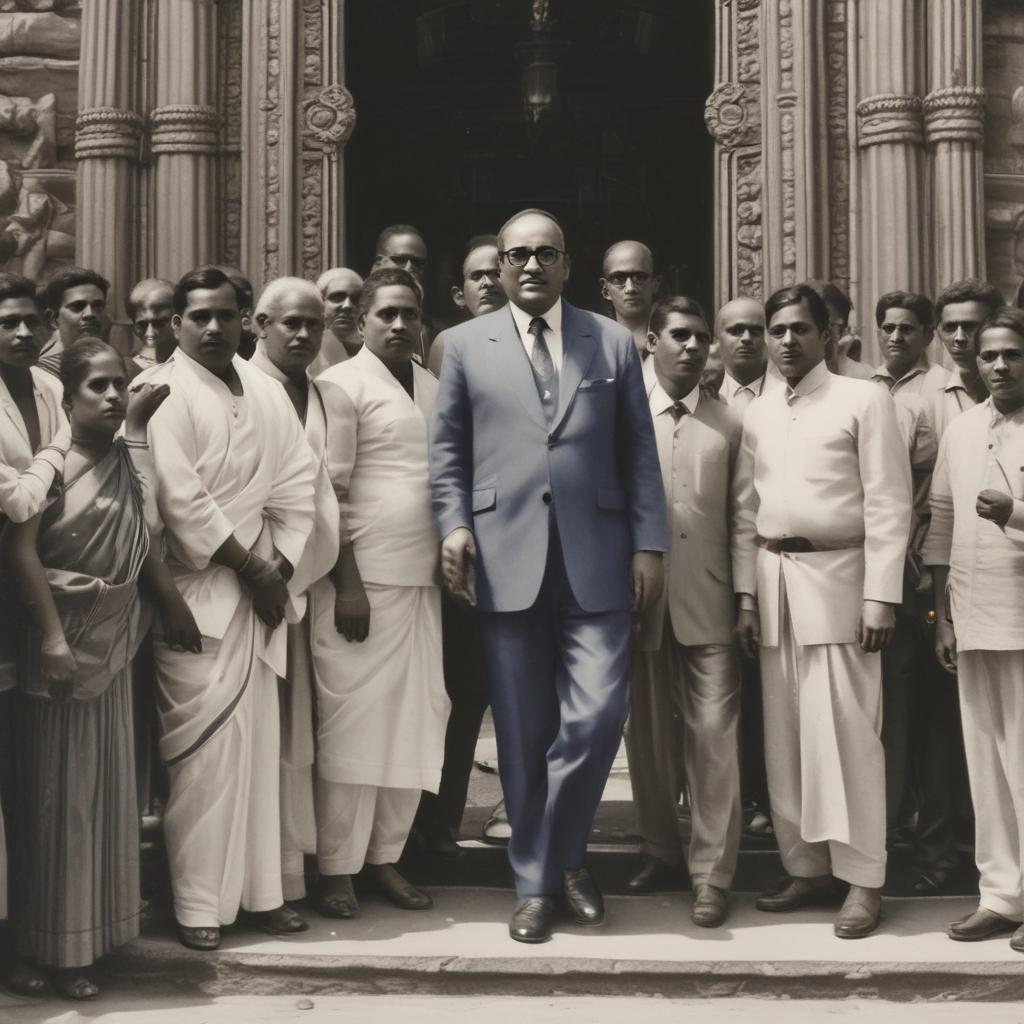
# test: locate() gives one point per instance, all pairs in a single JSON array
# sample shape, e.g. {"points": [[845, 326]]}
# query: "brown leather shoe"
{"points": [[797, 893], [654, 876], [860, 913], [982, 924], [1017, 940], [709, 906]]}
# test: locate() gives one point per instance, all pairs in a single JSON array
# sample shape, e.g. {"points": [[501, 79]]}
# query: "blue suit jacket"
{"points": [[493, 458]]}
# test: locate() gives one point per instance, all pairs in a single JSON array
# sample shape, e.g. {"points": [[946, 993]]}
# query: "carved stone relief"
{"points": [[39, 45]]}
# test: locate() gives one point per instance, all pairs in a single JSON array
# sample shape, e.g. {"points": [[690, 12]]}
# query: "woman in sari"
{"points": [[77, 566]]}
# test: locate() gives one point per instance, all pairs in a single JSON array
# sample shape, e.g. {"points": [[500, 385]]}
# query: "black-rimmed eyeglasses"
{"points": [[546, 255]]}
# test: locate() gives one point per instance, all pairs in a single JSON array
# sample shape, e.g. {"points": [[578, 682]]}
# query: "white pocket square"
{"points": [[596, 382]]}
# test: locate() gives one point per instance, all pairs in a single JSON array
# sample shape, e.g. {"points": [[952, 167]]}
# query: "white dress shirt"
{"points": [[981, 449], [552, 333], [739, 396], [666, 426], [948, 400], [923, 377]]}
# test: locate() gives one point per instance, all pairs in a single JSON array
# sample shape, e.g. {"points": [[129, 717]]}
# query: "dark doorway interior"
{"points": [[443, 139]]}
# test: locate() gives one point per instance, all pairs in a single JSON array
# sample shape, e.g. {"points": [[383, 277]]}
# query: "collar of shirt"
{"points": [[192, 366], [997, 418], [732, 387], [263, 362], [808, 383], [552, 335], [921, 366], [662, 402], [955, 382]]}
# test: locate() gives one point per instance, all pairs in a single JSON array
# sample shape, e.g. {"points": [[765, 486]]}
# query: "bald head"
{"points": [[629, 284], [150, 306], [739, 332]]}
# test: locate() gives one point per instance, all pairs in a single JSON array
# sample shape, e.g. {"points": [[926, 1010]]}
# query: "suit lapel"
{"points": [[12, 411], [513, 368], [578, 347]]}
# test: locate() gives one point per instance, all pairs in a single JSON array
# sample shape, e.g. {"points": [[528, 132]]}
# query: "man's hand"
{"points": [[648, 571], [995, 506], [352, 613], [143, 402], [58, 668], [748, 632], [180, 630], [877, 621], [945, 645], [267, 587], [458, 552]]}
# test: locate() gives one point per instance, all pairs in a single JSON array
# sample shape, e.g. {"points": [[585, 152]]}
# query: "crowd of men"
{"points": [[793, 574]]}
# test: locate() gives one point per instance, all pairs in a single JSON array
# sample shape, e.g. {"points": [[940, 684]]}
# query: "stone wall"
{"points": [[1004, 143], [39, 50]]}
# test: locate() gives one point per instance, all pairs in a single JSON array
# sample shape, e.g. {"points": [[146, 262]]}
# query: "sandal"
{"points": [[339, 903], [25, 979], [281, 920], [203, 939], [72, 984]]}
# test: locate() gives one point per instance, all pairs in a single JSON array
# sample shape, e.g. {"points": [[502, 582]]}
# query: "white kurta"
{"points": [[825, 462], [226, 465], [382, 703], [298, 816]]}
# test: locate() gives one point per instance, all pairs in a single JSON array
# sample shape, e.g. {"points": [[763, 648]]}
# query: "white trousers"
{"points": [[992, 708], [824, 756], [221, 824], [359, 825]]}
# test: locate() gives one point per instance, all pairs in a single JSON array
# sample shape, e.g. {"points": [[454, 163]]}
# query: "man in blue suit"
{"points": [[549, 500]]}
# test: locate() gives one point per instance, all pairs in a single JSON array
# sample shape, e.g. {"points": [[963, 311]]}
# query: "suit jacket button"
{"points": [[546, 497]]}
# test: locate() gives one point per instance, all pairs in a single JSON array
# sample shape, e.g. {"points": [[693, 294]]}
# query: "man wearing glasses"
{"points": [[549, 501], [629, 284]]}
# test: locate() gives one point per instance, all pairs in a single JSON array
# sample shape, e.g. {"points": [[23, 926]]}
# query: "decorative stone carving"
{"points": [[34, 120], [108, 131], [889, 118], [185, 128], [40, 35], [838, 144], [40, 5], [955, 114], [330, 116], [43, 226], [731, 117]]}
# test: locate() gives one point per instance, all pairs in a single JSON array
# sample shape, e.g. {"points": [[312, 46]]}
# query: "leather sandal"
{"points": [[204, 939], [281, 920], [72, 984], [337, 899], [402, 894]]}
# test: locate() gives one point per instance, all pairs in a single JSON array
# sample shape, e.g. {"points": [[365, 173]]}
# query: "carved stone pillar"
{"points": [[296, 118], [892, 221], [954, 112], [184, 127], [733, 117], [107, 139], [795, 141]]}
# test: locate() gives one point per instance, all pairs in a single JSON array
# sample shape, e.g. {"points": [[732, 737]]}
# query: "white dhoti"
{"points": [[382, 715], [298, 818], [823, 752], [992, 708], [222, 820]]}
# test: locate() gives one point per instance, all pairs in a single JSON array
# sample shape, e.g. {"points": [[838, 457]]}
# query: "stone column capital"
{"points": [[955, 113], [107, 132], [889, 119], [185, 128]]}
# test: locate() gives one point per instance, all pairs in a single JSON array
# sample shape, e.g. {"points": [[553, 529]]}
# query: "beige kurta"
{"points": [[382, 703], [825, 462]]}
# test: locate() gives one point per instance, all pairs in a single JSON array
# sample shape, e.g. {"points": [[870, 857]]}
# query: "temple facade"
{"points": [[878, 143]]}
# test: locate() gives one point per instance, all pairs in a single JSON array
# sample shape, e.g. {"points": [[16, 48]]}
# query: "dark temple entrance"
{"points": [[444, 140]]}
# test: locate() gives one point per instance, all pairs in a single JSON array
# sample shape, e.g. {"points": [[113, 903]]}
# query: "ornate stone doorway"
{"points": [[446, 142]]}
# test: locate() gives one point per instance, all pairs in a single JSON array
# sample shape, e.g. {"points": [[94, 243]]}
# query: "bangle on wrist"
{"points": [[128, 443]]}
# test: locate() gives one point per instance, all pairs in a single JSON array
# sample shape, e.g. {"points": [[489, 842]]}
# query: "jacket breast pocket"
{"points": [[484, 499], [611, 498], [596, 383]]}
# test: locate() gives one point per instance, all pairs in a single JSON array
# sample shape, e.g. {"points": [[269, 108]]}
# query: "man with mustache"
{"points": [[340, 288], [975, 549], [546, 483], [629, 283], [824, 485], [684, 659], [74, 303]]}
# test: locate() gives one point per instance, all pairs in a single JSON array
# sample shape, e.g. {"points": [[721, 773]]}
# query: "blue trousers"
{"points": [[558, 683]]}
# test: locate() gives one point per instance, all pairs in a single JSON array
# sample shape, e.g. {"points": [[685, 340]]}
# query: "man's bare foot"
{"points": [[402, 893], [337, 897], [25, 979], [72, 983]]}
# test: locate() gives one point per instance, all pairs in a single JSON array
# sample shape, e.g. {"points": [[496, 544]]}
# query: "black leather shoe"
{"points": [[982, 924], [531, 920], [933, 882], [797, 893], [861, 912], [583, 899], [654, 876], [709, 906]]}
